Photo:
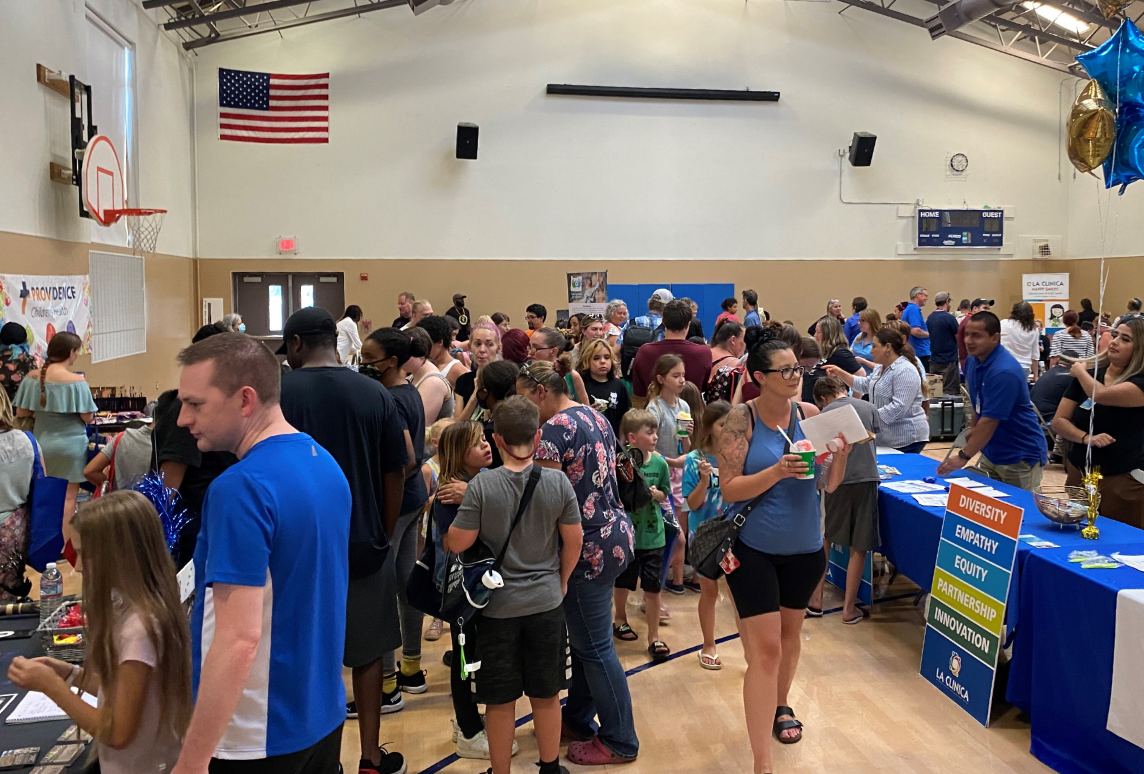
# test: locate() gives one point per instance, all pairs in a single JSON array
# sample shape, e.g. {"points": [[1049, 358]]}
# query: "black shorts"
{"points": [[321, 758], [763, 583], [527, 655], [645, 567]]}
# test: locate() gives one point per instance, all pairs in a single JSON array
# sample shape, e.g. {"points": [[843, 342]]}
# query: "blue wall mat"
{"points": [[627, 293], [697, 293], [715, 293]]}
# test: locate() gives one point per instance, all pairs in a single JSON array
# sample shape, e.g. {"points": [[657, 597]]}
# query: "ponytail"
{"points": [[901, 346], [60, 349]]}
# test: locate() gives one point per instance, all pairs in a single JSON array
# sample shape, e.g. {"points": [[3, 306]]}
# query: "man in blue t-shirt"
{"points": [[1005, 427], [851, 328], [942, 327], [271, 574], [919, 333], [751, 317]]}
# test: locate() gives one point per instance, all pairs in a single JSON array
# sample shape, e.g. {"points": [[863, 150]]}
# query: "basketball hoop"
{"points": [[143, 224]]}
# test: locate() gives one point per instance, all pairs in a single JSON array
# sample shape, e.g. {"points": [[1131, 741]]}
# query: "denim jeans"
{"points": [[599, 685]]}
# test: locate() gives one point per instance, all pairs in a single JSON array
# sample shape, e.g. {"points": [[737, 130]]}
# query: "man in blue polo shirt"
{"points": [[919, 332], [851, 328], [1005, 427], [271, 575]]}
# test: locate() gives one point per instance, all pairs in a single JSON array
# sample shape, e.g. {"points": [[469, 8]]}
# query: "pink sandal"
{"points": [[594, 753]]}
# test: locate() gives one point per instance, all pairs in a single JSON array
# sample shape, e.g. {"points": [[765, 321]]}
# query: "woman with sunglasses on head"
{"points": [[779, 548], [1118, 424], [484, 347], [895, 389]]}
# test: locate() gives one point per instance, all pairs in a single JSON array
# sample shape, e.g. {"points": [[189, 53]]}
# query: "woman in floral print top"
{"points": [[15, 359], [579, 440]]}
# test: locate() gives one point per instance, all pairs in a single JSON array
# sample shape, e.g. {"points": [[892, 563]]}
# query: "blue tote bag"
{"points": [[45, 514]]}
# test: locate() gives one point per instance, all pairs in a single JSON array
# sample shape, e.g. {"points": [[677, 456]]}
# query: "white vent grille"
{"points": [[118, 306], [1041, 247]]}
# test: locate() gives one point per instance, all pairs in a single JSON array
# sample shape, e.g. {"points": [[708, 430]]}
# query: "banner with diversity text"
{"points": [[47, 305]]}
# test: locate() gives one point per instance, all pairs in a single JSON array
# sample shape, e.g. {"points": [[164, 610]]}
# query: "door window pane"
{"points": [[307, 296], [275, 297]]}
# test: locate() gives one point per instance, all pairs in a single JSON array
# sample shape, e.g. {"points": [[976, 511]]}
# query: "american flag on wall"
{"points": [[273, 108]]}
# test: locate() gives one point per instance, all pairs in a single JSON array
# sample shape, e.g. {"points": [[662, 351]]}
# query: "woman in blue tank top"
{"points": [[779, 549]]}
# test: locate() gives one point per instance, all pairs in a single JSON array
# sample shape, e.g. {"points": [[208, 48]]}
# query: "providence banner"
{"points": [[47, 305]]}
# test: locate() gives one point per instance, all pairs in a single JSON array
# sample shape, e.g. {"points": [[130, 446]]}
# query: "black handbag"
{"points": [[634, 491], [471, 579], [715, 537], [421, 589]]}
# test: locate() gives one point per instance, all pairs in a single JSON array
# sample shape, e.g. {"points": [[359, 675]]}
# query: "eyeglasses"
{"points": [[588, 319], [789, 373], [534, 349], [527, 374]]}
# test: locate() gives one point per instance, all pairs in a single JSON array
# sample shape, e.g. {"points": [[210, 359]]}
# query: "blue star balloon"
{"points": [[1118, 66]]}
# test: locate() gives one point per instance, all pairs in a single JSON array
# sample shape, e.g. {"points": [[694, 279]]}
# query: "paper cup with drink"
{"points": [[805, 449]]}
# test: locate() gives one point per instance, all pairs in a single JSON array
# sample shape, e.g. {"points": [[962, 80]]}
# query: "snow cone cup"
{"points": [[804, 449], [681, 423]]}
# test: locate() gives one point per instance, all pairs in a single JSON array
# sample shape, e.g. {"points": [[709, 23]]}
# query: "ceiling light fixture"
{"points": [[1057, 17]]}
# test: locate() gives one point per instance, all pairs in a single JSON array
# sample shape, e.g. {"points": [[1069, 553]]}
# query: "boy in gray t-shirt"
{"points": [[522, 641], [852, 508]]}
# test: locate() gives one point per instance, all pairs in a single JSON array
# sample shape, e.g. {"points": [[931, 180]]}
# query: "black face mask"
{"points": [[372, 371]]}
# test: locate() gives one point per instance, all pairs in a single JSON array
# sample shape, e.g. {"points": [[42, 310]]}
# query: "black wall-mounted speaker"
{"points": [[861, 149], [467, 141]]}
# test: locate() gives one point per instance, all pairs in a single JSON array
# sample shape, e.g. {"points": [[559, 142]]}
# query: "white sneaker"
{"points": [[478, 746]]}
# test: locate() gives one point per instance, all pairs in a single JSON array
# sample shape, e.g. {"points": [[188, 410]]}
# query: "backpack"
{"points": [[634, 337], [634, 491]]}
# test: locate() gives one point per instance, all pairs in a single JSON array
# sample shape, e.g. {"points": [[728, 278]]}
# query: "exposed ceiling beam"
{"points": [[1085, 16], [344, 12], [233, 13], [149, 4], [904, 17], [1035, 32]]}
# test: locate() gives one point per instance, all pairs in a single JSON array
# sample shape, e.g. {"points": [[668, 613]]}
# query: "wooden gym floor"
{"points": [[858, 691]]}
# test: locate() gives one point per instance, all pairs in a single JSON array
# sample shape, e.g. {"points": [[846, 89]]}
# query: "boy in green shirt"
{"points": [[640, 430]]}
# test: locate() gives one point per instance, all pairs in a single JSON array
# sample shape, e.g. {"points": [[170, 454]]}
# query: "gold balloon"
{"points": [[1092, 128], [1112, 8]]}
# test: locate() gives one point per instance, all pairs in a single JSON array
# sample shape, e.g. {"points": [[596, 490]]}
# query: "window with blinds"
{"points": [[118, 306]]}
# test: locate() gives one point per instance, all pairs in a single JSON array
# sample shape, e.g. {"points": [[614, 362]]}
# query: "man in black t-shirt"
{"points": [[404, 309], [175, 454], [355, 419], [459, 313]]}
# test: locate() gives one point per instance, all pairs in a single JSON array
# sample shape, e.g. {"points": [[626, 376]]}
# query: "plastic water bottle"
{"points": [[51, 591]]}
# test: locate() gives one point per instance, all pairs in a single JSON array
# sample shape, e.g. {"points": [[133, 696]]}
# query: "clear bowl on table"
{"points": [[1063, 505]]}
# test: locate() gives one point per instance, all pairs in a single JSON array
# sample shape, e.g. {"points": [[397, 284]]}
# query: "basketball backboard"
{"points": [[102, 179]]}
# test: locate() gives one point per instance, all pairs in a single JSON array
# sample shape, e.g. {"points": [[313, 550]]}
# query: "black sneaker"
{"points": [[351, 710], [692, 585], [392, 702], [675, 588], [412, 683], [391, 763]]}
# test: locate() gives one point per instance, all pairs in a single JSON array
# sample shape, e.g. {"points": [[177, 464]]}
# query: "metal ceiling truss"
{"points": [[1022, 32], [202, 23]]}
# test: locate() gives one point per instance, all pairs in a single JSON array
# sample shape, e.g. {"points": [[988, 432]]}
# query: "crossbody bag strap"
{"points": [[525, 499]]}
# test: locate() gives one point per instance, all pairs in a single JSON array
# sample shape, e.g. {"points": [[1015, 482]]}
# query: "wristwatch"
{"points": [[961, 453]]}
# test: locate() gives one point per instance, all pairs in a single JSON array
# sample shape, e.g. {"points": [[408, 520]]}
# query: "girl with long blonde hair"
{"points": [[137, 638]]}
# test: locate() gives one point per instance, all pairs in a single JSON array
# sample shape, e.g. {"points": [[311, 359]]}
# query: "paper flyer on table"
{"points": [[909, 487], [830, 424], [932, 499]]}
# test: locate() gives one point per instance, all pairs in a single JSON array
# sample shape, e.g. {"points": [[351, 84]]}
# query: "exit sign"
{"points": [[287, 245]]}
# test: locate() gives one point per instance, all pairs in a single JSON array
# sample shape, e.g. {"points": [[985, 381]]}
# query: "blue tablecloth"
{"points": [[1061, 673], [1048, 677]]}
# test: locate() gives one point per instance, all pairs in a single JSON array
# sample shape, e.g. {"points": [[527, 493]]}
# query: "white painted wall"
{"points": [[574, 177], [1101, 221], [34, 128]]}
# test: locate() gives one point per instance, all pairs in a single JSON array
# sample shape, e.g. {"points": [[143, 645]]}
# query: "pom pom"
{"points": [[169, 504]]}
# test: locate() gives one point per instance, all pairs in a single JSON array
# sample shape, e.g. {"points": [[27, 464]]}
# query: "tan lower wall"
{"points": [[1125, 281], [794, 290], [170, 307]]}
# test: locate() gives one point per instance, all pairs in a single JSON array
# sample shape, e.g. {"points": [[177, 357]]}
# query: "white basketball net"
{"points": [[144, 231]]}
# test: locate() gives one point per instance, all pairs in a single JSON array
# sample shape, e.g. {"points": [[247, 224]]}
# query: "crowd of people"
{"points": [[320, 490]]}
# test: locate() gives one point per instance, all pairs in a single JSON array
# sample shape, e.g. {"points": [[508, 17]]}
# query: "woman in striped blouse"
{"points": [[1072, 341], [895, 388]]}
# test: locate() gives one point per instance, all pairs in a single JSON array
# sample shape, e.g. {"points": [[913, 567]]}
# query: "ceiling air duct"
{"points": [[953, 16]]}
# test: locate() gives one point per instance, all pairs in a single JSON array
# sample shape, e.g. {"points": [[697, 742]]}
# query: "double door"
{"points": [[266, 299]]}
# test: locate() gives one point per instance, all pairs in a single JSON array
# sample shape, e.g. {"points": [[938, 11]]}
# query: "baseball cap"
{"points": [[305, 322], [982, 301], [941, 298], [663, 295], [458, 297]]}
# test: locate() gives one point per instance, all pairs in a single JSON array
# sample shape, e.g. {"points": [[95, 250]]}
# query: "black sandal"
{"points": [[624, 632], [658, 651], [786, 725]]}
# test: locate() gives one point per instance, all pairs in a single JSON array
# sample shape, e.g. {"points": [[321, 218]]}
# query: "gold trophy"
{"points": [[1091, 485]]}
